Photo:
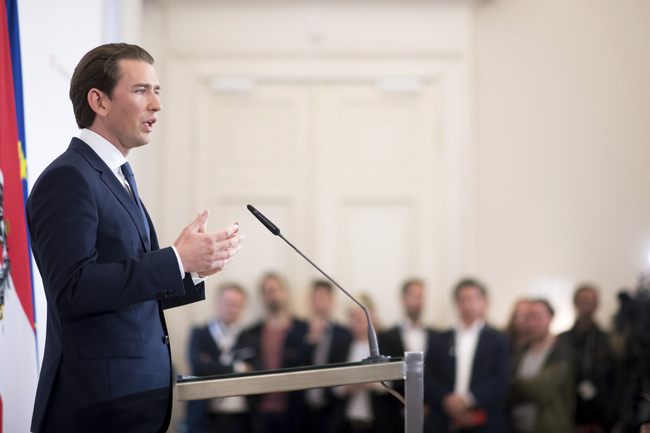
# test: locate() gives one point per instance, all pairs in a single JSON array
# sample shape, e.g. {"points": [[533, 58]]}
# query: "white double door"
{"points": [[352, 172]]}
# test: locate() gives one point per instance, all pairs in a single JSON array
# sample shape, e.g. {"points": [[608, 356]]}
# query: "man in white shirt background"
{"points": [[466, 369]]}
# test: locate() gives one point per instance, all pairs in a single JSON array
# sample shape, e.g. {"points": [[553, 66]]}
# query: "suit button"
{"points": [[165, 339]]}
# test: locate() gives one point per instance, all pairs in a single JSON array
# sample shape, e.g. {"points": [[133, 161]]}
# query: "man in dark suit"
{"points": [[329, 344], [410, 335], [279, 341], [217, 348], [107, 362], [593, 364], [467, 370]]}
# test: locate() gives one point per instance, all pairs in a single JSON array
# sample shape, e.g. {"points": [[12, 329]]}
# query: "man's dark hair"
{"points": [[547, 304], [469, 282], [409, 283], [100, 69], [322, 284]]}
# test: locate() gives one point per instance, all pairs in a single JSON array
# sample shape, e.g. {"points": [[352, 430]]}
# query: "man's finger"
{"points": [[226, 233], [200, 223], [204, 226]]}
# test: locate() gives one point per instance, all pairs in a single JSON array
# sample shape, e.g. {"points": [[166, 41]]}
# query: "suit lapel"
{"points": [[118, 190]]}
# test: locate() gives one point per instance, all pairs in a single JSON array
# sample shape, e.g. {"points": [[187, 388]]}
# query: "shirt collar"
{"points": [[475, 327], [408, 325], [112, 157]]}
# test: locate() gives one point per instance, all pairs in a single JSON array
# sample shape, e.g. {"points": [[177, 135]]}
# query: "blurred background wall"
{"points": [[507, 140]]}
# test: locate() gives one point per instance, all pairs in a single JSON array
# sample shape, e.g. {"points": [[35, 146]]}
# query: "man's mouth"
{"points": [[149, 124]]}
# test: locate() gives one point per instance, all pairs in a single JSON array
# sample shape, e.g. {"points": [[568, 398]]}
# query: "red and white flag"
{"points": [[18, 356]]}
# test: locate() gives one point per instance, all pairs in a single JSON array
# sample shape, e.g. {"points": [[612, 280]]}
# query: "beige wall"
{"points": [[559, 134], [563, 145]]}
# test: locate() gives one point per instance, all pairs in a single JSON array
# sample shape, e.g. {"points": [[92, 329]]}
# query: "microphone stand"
{"points": [[375, 357]]}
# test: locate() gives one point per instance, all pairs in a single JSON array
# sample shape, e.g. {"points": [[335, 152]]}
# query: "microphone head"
{"points": [[268, 224]]}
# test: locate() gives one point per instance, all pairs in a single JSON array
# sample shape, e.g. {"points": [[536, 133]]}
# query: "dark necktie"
{"points": [[130, 178]]}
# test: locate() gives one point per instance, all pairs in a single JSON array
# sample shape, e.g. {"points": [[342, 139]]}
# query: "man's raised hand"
{"points": [[207, 253]]}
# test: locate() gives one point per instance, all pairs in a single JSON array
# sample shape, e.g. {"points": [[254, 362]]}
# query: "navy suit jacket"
{"points": [[202, 342], [107, 363], [337, 353], [488, 382], [339, 345]]}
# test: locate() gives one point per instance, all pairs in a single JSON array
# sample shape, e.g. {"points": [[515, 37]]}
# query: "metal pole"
{"points": [[414, 390]]}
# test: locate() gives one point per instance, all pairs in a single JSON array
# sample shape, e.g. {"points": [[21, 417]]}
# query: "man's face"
{"points": [[321, 301], [470, 303], [274, 294], [131, 112], [230, 305], [413, 300], [586, 303], [539, 321]]}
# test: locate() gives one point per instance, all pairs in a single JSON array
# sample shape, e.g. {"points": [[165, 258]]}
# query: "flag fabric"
{"points": [[18, 355]]}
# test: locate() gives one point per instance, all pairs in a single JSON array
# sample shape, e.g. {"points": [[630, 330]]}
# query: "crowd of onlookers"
{"points": [[477, 378]]}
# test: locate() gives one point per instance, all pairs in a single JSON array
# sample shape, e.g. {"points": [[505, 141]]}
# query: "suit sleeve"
{"points": [[88, 251]]}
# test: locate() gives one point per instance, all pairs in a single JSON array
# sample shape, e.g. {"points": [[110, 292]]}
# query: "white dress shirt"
{"points": [[466, 340], [414, 336]]}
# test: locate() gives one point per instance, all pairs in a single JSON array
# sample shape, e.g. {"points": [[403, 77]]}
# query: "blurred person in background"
{"points": [[279, 341], [467, 369], [410, 335], [329, 343], [541, 394], [593, 364], [217, 348], [361, 400]]}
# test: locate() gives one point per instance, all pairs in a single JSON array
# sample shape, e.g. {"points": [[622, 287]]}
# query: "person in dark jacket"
{"points": [[409, 335], [593, 365], [329, 343], [467, 370], [541, 393], [279, 341], [217, 348]]}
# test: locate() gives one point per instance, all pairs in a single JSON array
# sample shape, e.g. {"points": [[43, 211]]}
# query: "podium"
{"points": [[410, 369]]}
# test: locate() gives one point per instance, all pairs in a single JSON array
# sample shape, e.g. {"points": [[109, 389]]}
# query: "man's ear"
{"points": [[97, 101]]}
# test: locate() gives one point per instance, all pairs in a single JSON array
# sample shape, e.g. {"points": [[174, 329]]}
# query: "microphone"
{"points": [[375, 357]]}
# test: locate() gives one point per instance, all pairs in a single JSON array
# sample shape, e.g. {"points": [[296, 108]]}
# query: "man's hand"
{"points": [[454, 404], [207, 253]]}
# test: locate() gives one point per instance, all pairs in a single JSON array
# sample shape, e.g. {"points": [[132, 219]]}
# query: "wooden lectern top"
{"points": [[291, 379]]}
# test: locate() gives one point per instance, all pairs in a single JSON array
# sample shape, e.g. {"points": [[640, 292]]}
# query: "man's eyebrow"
{"points": [[147, 86]]}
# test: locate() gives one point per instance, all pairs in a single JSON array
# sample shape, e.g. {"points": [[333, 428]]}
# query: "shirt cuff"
{"points": [[195, 275], [180, 263], [196, 279]]}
